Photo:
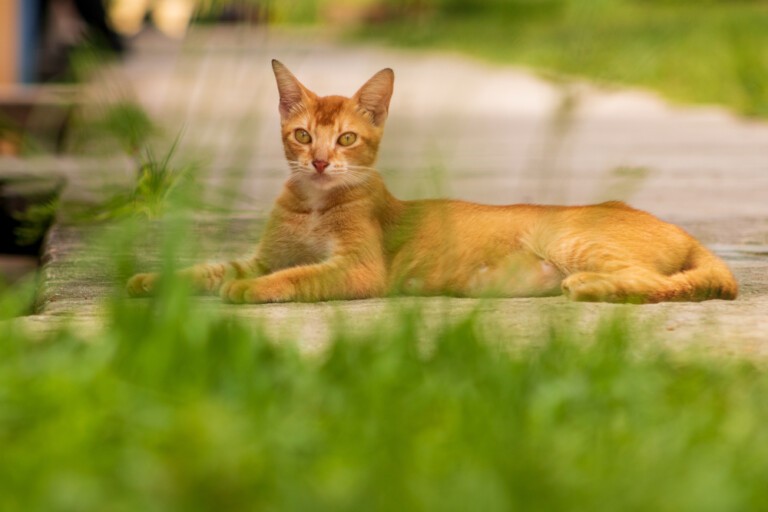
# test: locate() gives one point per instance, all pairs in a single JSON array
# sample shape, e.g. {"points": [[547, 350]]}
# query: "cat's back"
{"points": [[429, 226], [615, 219]]}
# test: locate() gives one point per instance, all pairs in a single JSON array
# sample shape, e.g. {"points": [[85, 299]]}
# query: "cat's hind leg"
{"points": [[520, 274]]}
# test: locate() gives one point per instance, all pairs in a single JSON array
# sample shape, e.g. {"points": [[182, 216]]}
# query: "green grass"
{"points": [[176, 407], [690, 51]]}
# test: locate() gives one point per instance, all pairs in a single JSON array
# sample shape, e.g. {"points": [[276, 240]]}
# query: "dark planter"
{"points": [[27, 207]]}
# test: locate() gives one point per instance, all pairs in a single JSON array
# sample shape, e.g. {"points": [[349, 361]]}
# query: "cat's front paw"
{"points": [[253, 291], [233, 292], [142, 285]]}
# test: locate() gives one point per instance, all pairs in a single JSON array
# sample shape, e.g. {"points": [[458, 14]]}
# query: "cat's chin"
{"points": [[322, 182], [327, 182], [318, 183]]}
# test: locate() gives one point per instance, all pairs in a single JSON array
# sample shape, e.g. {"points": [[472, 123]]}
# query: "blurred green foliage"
{"points": [[35, 221], [691, 51], [177, 406], [127, 123], [161, 186], [113, 122], [273, 11], [120, 125], [695, 51]]}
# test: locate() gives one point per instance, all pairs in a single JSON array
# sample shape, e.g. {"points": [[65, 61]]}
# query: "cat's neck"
{"points": [[308, 197], [305, 197]]}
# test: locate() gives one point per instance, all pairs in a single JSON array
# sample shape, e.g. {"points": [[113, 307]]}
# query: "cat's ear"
{"points": [[375, 94], [293, 95]]}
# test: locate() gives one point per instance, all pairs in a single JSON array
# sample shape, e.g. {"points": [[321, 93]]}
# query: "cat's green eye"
{"points": [[302, 136], [347, 139]]}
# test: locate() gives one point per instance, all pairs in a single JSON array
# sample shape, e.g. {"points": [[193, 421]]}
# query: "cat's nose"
{"points": [[319, 165]]}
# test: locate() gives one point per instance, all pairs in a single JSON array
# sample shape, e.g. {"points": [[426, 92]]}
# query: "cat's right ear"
{"points": [[293, 95], [375, 94]]}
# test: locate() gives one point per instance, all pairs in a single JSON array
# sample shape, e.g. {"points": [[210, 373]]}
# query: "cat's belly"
{"points": [[518, 277], [515, 274], [461, 248]]}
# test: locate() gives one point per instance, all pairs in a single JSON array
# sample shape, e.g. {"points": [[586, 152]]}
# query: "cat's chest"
{"points": [[313, 230], [311, 238]]}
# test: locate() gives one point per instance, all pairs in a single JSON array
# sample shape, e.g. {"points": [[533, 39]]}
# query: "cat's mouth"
{"points": [[320, 178]]}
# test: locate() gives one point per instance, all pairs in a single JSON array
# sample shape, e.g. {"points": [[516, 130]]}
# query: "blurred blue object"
{"points": [[29, 12]]}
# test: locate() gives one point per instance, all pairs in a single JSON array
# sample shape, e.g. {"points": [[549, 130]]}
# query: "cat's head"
{"points": [[332, 140]]}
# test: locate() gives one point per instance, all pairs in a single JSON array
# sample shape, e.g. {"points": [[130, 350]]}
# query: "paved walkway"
{"points": [[460, 128]]}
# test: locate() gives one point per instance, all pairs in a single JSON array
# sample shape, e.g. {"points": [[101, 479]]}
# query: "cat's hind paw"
{"points": [[590, 287], [597, 287], [142, 285]]}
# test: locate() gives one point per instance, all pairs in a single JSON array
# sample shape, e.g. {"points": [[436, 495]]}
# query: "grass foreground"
{"points": [[691, 51], [178, 408]]}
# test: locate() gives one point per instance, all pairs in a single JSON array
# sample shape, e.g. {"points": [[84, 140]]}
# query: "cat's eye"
{"points": [[347, 139], [302, 136]]}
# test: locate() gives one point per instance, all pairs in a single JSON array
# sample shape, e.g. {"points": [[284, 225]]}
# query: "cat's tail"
{"points": [[704, 277]]}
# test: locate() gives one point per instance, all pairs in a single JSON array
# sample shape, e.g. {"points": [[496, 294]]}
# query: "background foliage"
{"points": [[692, 51]]}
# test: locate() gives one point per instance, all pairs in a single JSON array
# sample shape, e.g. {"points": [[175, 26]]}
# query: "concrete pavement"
{"points": [[457, 127]]}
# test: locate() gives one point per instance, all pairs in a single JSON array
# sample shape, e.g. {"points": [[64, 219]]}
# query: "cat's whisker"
{"points": [[349, 185], [353, 178], [361, 168], [295, 164], [353, 171], [301, 169]]}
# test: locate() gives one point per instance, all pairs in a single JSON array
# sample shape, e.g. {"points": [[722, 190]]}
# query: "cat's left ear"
{"points": [[375, 94], [293, 95]]}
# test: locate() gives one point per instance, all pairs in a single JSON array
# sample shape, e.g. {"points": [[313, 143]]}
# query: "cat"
{"points": [[336, 232]]}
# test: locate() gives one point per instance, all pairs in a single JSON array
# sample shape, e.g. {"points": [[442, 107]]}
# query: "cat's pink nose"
{"points": [[320, 165]]}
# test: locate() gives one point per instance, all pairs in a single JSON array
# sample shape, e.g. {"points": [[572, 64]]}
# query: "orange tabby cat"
{"points": [[337, 233]]}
